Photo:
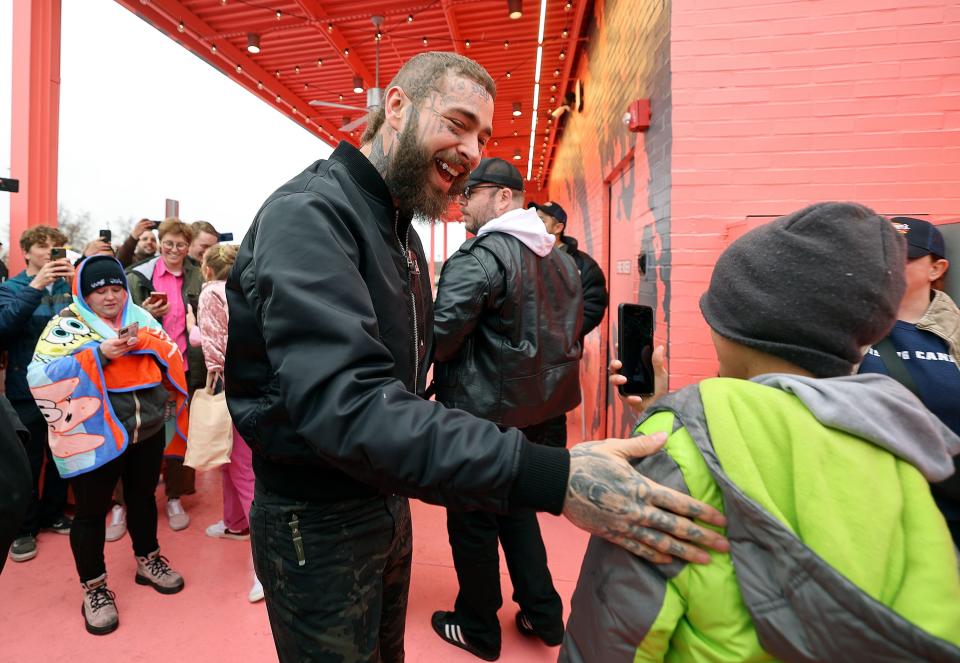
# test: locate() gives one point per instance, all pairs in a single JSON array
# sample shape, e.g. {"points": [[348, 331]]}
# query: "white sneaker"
{"points": [[118, 523], [178, 518], [217, 530], [256, 592]]}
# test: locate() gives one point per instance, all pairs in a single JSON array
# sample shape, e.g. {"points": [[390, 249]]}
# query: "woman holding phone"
{"points": [[107, 378], [166, 287]]}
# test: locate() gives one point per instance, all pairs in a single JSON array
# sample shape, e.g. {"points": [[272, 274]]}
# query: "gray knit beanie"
{"points": [[813, 287]]}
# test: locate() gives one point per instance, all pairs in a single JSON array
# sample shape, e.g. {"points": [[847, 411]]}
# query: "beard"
{"points": [[408, 178]]}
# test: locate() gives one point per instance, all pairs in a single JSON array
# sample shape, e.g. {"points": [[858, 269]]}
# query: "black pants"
{"points": [[47, 508], [16, 484], [340, 594], [473, 540], [139, 467]]}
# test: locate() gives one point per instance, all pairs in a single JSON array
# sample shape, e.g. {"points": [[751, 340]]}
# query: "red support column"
{"points": [[35, 118]]}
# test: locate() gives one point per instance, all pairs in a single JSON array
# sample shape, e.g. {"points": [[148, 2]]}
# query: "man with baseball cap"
{"points": [[594, 283], [507, 340], [922, 350]]}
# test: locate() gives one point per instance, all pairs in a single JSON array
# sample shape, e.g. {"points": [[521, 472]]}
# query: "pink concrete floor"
{"points": [[211, 620]]}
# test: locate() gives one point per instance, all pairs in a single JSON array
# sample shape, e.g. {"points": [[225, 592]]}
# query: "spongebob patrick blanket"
{"points": [[71, 384]]}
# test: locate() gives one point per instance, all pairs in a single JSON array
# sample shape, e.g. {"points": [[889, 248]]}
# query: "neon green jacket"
{"points": [[838, 550]]}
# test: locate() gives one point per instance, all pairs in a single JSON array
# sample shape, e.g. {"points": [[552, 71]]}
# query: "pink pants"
{"points": [[238, 485]]}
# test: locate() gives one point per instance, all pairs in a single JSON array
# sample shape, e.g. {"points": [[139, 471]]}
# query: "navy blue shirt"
{"points": [[928, 360], [937, 377]]}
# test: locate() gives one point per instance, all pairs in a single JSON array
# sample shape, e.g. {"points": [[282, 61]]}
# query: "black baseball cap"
{"points": [[923, 238], [496, 171], [552, 209]]}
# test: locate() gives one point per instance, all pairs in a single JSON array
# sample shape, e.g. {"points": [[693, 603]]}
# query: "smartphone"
{"points": [[225, 237], [635, 348], [154, 225], [128, 332], [160, 297], [58, 253], [106, 235]]}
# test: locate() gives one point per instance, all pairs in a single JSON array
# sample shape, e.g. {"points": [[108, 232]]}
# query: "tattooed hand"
{"points": [[606, 496]]}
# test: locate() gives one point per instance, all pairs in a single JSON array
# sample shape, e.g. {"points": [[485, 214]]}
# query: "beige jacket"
{"points": [[943, 319]]}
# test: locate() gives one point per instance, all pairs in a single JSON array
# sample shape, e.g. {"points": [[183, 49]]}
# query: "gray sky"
{"points": [[142, 119]]}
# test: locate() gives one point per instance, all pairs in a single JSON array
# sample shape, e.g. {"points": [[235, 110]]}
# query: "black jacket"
{"points": [[594, 285], [329, 338], [507, 330]]}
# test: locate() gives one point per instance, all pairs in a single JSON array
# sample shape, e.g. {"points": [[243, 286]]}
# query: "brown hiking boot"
{"points": [[99, 607], [154, 570]]}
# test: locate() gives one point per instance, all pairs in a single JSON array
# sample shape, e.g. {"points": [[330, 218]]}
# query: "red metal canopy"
{"points": [[314, 49]]}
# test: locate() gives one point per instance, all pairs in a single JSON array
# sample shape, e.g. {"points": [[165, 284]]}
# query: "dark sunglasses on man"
{"points": [[470, 188]]}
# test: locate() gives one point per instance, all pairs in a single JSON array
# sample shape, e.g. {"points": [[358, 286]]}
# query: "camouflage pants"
{"points": [[335, 576]]}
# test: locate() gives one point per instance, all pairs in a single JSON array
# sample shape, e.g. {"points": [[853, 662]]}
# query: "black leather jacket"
{"points": [[507, 326], [328, 342]]}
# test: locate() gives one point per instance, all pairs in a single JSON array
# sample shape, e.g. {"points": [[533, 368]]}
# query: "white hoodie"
{"points": [[525, 225]]}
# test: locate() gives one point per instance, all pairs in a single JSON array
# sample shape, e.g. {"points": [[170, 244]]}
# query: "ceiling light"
{"points": [[213, 48], [329, 27], [556, 72], [378, 36], [516, 155], [296, 70], [346, 52], [424, 41], [565, 33], [277, 73], [506, 44], [515, 7], [278, 98], [239, 69], [319, 62], [357, 84], [259, 85], [180, 27], [567, 7], [467, 43], [508, 74], [563, 55], [279, 14], [410, 18], [516, 109]]}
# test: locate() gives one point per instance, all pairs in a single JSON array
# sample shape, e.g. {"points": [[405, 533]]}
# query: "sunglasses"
{"points": [[468, 190]]}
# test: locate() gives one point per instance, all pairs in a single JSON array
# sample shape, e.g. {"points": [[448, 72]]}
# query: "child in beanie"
{"points": [[838, 551]]}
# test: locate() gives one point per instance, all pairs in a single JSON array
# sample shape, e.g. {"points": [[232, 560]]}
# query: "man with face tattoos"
{"points": [[330, 336]]}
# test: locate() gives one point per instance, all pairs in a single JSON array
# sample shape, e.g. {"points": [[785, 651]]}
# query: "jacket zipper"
{"points": [[136, 418], [413, 298]]}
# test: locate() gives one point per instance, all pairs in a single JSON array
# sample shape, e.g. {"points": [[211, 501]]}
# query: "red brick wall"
{"points": [[627, 58], [781, 104], [759, 108]]}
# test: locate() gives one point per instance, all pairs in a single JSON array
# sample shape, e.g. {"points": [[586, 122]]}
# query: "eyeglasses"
{"points": [[468, 190], [175, 246]]}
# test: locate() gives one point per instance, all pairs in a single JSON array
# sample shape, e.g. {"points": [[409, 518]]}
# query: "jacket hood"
{"points": [[131, 312], [570, 243], [880, 410], [525, 225]]}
